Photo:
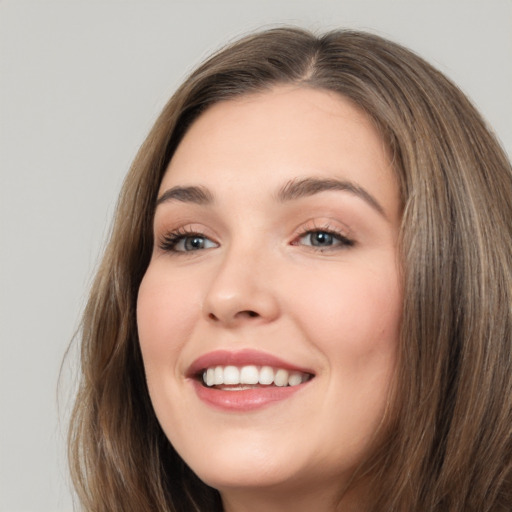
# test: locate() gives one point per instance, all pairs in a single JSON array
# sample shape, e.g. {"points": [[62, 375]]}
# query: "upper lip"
{"points": [[240, 358]]}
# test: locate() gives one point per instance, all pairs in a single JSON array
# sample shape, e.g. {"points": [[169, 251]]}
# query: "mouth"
{"points": [[239, 378], [245, 380]]}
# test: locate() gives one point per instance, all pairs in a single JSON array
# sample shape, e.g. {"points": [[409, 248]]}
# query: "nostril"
{"points": [[245, 313]]}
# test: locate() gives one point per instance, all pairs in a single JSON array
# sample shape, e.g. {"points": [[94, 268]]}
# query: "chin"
{"points": [[271, 470]]}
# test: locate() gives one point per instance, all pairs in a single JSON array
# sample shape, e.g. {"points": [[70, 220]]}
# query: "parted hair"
{"points": [[446, 442]]}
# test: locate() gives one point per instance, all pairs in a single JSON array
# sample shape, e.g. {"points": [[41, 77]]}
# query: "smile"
{"points": [[245, 380], [233, 378]]}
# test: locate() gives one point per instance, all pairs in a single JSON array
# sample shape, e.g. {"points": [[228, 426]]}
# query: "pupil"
{"points": [[194, 243], [322, 238]]}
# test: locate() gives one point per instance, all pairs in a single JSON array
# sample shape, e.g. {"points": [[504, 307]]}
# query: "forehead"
{"points": [[262, 140]]}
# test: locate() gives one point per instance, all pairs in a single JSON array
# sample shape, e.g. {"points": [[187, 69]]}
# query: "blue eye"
{"points": [[321, 239], [324, 239], [193, 243], [180, 242]]}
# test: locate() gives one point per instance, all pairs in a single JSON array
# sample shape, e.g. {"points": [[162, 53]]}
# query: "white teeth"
{"points": [[266, 375], [219, 375], [294, 379], [233, 377], [249, 375], [281, 378]]}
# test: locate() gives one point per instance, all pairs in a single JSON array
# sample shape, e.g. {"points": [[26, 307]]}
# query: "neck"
{"points": [[296, 500]]}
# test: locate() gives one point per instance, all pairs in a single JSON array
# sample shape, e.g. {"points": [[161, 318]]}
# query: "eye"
{"points": [[186, 242], [193, 243], [324, 239]]}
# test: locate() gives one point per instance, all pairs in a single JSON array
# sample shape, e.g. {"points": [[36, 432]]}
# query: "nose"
{"points": [[242, 291]]}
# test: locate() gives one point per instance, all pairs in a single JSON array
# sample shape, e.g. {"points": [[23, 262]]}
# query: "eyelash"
{"points": [[170, 240]]}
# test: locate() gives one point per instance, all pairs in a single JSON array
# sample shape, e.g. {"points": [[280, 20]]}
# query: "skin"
{"points": [[259, 283]]}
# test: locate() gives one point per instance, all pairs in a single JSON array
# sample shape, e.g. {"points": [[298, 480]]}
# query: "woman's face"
{"points": [[274, 278]]}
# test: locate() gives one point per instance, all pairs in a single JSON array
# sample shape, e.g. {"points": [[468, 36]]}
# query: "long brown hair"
{"points": [[447, 445]]}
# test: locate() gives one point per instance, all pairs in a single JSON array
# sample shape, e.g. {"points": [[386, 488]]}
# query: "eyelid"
{"points": [[324, 224]]}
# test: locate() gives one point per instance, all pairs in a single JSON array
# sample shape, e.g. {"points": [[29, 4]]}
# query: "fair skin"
{"points": [[275, 245]]}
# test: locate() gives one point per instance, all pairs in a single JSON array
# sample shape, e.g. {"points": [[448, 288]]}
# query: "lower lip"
{"points": [[246, 399]]}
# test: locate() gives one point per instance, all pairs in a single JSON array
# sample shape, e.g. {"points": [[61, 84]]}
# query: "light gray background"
{"points": [[80, 85]]}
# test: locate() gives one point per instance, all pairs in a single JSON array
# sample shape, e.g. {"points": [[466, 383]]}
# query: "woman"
{"points": [[306, 302]]}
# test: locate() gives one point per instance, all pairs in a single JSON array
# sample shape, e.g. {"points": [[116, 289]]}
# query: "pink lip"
{"points": [[247, 399]]}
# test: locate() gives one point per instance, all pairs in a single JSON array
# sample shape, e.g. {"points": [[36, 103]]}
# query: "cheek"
{"points": [[166, 313], [352, 315], [165, 316]]}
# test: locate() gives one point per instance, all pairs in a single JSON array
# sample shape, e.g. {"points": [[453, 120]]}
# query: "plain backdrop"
{"points": [[80, 84]]}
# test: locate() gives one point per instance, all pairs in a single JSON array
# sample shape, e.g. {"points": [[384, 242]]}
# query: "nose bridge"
{"points": [[242, 290]]}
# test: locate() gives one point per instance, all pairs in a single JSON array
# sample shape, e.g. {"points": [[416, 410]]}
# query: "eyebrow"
{"points": [[193, 194], [294, 189], [305, 187]]}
